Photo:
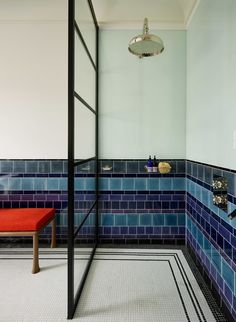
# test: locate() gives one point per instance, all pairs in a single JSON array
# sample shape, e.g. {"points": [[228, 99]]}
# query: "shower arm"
{"points": [[145, 27]]}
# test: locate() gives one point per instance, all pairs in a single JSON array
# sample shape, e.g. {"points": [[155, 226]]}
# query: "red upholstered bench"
{"points": [[28, 222]]}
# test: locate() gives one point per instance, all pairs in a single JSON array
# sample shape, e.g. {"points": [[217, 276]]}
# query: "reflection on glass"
{"points": [[84, 244], [84, 132], [86, 25], [85, 75]]}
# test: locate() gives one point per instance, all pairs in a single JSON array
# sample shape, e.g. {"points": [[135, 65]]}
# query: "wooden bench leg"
{"points": [[35, 268], [53, 241]]}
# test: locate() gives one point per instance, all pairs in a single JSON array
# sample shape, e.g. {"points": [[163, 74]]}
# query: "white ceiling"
{"points": [[111, 14]]}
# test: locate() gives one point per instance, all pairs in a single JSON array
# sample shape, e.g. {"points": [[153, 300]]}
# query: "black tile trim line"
{"points": [[212, 166], [214, 300], [188, 286], [220, 220]]}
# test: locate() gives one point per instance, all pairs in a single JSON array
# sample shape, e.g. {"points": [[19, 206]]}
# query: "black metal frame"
{"points": [[72, 163]]}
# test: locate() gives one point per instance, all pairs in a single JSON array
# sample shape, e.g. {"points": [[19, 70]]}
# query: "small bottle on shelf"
{"points": [[149, 164], [155, 165]]}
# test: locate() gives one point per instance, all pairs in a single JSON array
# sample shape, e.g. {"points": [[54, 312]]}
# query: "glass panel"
{"points": [[86, 25], [85, 75], [84, 132]]}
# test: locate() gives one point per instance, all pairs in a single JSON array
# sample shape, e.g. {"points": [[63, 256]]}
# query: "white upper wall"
{"points": [[211, 84], [142, 105]]}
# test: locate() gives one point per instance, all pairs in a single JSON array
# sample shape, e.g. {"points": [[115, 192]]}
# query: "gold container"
{"points": [[164, 167]]}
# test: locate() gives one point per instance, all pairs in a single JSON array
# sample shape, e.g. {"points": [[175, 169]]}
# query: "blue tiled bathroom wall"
{"points": [[210, 235], [138, 207], [43, 184]]}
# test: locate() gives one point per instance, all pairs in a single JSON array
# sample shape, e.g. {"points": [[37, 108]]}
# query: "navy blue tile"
{"points": [[228, 274], [228, 249]]}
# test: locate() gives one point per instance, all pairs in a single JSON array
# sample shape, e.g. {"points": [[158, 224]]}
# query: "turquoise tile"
{"points": [[178, 184], [165, 184], [52, 184], [153, 184], [104, 184], [120, 220], [192, 188], [194, 231], [90, 184], [107, 219], [4, 184], [15, 184], [140, 184], [40, 184], [133, 220], [188, 183], [198, 192], [181, 218], [27, 184], [79, 184], [171, 219], [216, 259], [200, 238], [127, 184], [205, 197], [62, 184], [228, 274], [145, 219], [158, 219], [207, 247], [115, 184]]}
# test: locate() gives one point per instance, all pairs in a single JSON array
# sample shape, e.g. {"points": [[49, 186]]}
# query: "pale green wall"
{"points": [[211, 84], [142, 106]]}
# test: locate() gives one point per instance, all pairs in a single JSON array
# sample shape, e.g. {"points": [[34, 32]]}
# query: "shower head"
{"points": [[146, 45]]}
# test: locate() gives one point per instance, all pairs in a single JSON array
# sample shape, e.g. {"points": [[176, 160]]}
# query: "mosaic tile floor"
{"points": [[123, 285]]}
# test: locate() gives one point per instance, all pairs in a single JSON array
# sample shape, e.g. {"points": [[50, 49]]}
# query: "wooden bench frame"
{"points": [[35, 235]]}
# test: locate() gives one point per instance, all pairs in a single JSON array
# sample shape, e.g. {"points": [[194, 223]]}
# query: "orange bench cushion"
{"points": [[25, 219]]}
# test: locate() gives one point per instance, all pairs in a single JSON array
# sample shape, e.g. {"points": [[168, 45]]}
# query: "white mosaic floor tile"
{"points": [[123, 285]]}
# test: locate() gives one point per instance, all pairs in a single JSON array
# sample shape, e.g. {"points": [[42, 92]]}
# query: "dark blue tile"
{"points": [[140, 230], [141, 166], [44, 166], [220, 241], [180, 166], [228, 249], [228, 294], [124, 230], [132, 231], [19, 166], [208, 174]]}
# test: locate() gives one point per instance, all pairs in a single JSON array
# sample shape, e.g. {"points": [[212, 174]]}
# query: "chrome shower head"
{"points": [[146, 45]]}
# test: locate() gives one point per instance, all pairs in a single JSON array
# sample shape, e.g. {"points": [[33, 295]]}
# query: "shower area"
{"points": [[116, 127]]}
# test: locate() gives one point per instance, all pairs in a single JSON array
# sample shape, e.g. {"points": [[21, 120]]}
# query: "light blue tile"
{"points": [[181, 219], [178, 184], [171, 219], [165, 184], [228, 274], [15, 184], [62, 183], [27, 184], [198, 192], [200, 238], [127, 184], [79, 184], [89, 184], [40, 183], [104, 184], [145, 219], [4, 183], [192, 188], [133, 220], [158, 219], [140, 184], [216, 259], [153, 184], [52, 184], [115, 184], [107, 219], [207, 247]]}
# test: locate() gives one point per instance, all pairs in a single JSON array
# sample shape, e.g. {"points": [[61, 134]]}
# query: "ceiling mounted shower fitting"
{"points": [[146, 45]]}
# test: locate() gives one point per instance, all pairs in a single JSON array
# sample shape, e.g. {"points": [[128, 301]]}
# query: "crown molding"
{"points": [[125, 25], [192, 13]]}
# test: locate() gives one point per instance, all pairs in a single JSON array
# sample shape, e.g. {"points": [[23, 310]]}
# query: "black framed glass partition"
{"points": [[82, 145]]}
